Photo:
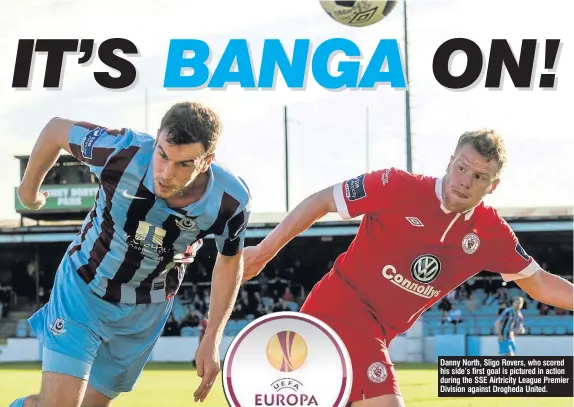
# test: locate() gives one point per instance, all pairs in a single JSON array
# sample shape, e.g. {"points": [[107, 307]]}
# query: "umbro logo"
{"points": [[414, 221], [125, 194]]}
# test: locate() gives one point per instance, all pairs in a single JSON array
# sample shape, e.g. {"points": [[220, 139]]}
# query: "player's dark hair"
{"points": [[191, 122], [487, 142]]}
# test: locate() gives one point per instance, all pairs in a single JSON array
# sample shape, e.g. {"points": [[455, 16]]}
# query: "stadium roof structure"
{"points": [[535, 219]]}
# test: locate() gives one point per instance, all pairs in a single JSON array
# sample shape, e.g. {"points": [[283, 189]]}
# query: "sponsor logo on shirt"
{"points": [[355, 188], [425, 268], [522, 252], [420, 289], [415, 221], [88, 142], [236, 234], [385, 176], [148, 240]]}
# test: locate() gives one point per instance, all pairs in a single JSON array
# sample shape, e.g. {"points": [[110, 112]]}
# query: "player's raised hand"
{"points": [[253, 262], [32, 199], [208, 367]]}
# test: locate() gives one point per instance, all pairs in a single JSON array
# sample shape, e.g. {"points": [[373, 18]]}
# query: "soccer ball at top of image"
{"points": [[358, 13]]}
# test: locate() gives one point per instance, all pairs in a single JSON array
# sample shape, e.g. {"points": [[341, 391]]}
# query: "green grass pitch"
{"points": [[172, 385]]}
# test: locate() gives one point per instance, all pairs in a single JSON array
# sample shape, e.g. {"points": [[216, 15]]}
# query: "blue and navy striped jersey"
{"points": [[510, 321], [125, 249]]}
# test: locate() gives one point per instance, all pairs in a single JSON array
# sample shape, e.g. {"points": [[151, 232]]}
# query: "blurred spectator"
{"points": [[192, 319], [248, 305], [560, 311], [543, 308], [238, 312], [287, 295], [280, 306], [472, 303], [172, 328], [454, 315], [444, 305], [502, 305], [206, 297], [263, 284]]}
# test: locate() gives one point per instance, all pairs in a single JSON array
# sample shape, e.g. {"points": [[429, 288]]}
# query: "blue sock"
{"points": [[18, 403]]}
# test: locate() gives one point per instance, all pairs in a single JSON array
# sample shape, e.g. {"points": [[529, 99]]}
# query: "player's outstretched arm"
{"points": [[297, 221], [549, 289], [225, 282], [52, 140]]}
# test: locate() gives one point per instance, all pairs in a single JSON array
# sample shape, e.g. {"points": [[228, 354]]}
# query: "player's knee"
{"points": [[29, 401], [32, 401], [96, 403], [94, 398], [61, 390]]}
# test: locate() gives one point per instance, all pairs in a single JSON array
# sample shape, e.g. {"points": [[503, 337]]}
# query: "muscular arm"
{"points": [[549, 289], [52, 140], [225, 282], [298, 220]]}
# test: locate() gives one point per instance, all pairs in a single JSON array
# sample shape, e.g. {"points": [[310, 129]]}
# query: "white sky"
{"points": [[327, 129]]}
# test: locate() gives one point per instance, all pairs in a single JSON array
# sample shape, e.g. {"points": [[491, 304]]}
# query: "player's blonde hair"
{"points": [[488, 143], [519, 299]]}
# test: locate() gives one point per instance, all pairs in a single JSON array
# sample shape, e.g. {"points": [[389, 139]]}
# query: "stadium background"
{"points": [[31, 246], [461, 324]]}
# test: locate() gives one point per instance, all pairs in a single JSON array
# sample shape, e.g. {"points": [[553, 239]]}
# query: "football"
{"points": [[358, 13]]}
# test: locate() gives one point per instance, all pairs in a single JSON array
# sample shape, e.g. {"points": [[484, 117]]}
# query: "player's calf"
{"points": [[388, 400], [61, 390]]}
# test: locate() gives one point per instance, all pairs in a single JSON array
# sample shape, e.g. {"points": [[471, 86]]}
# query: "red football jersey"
{"points": [[410, 251]]}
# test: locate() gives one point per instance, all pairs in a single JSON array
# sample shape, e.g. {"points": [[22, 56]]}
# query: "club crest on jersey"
{"points": [[377, 372], [87, 145], [186, 224], [57, 327], [425, 268], [470, 243], [355, 188]]}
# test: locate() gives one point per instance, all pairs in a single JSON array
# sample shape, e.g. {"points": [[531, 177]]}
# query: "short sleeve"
{"points": [[368, 193], [507, 257], [503, 315], [94, 145], [232, 240]]}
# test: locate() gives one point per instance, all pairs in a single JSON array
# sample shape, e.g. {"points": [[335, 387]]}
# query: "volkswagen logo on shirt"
{"points": [[425, 268]]}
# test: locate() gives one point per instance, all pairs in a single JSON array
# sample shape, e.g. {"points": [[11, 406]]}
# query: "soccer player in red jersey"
{"points": [[420, 238]]}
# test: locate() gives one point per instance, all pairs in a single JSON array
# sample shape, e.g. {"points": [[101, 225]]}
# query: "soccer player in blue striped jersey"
{"points": [[114, 289], [509, 322]]}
